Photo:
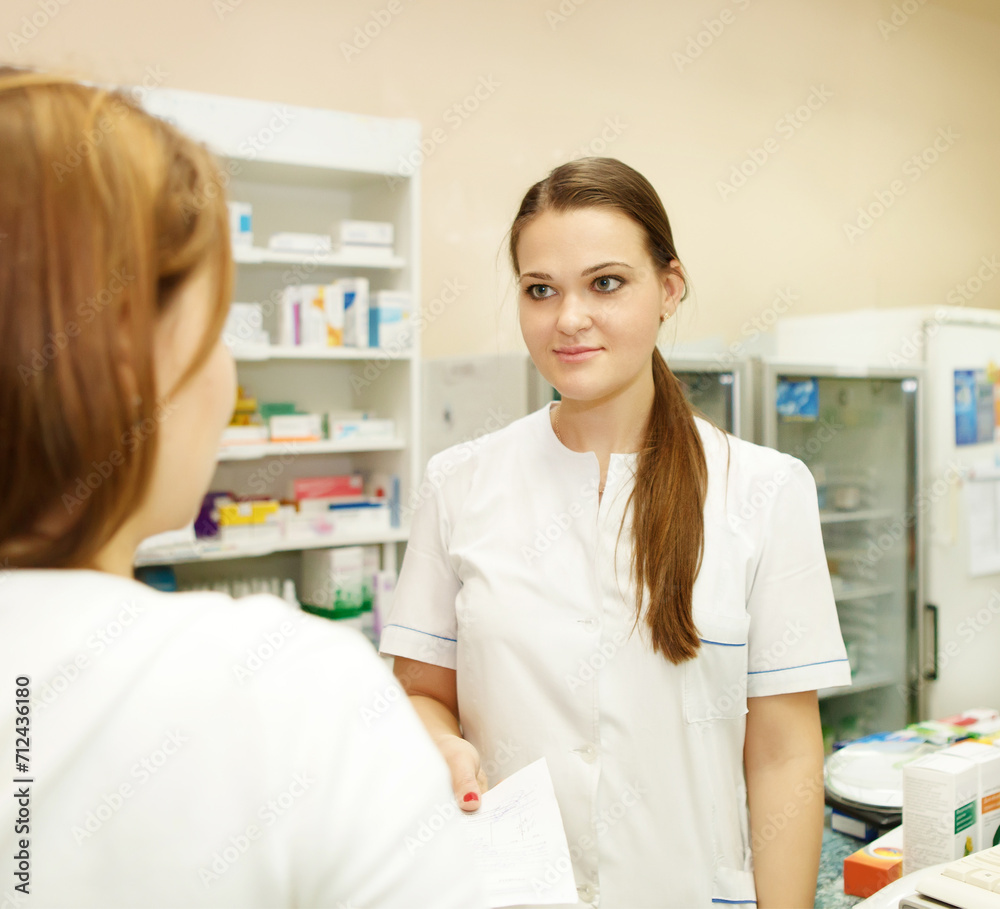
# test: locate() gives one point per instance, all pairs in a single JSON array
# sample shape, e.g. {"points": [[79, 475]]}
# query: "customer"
{"points": [[183, 750]]}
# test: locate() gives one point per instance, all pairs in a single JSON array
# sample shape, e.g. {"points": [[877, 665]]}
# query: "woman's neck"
{"points": [[117, 556], [615, 424]]}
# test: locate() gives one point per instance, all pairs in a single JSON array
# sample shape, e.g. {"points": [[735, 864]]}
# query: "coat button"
{"points": [[587, 893], [588, 753]]}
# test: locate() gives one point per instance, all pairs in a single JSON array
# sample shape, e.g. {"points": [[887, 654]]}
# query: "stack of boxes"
{"points": [[951, 804], [347, 584], [320, 507]]}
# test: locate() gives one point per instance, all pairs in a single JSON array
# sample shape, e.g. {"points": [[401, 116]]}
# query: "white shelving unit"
{"points": [[304, 170]]}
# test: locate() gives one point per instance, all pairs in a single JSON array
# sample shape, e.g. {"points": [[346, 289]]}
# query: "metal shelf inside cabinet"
{"points": [[847, 517], [214, 552], [862, 593], [277, 449], [252, 353], [861, 682], [258, 255]]}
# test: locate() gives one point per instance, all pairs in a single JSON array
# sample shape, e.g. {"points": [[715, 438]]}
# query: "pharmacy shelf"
{"points": [[278, 449], [246, 353], [862, 593], [257, 255], [322, 167], [214, 552], [848, 517], [860, 682]]}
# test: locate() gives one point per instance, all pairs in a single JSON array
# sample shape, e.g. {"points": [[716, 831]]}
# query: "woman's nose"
{"points": [[574, 314]]}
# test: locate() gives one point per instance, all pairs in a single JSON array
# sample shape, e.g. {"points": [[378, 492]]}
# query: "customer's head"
{"points": [[115, 279]]}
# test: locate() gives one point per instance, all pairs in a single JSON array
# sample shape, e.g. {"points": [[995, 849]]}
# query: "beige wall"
{"points": [[560, 79]]}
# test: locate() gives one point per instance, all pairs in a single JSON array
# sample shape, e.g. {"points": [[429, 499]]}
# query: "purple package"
{"points": [[207, 522]]}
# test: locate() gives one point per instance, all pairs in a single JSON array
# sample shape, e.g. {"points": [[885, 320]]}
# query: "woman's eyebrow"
{"points": [[543, 276], [593, 268]]}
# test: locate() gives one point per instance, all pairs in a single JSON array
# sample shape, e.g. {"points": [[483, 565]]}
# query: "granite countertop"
{"points": [[830, 886]]}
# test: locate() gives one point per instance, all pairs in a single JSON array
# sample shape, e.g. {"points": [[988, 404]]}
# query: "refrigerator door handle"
{"points": [[931, 674]]}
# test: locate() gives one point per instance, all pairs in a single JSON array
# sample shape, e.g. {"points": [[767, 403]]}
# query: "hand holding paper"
{"points": [[519, 843]]}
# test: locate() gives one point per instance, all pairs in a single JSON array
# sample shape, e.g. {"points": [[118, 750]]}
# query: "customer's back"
{"points": [[171, 749]]}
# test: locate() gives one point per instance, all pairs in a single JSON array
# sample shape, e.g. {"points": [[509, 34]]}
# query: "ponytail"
{"points": [[668, 526]]}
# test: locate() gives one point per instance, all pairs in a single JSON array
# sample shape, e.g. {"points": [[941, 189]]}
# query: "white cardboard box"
{"points": [[987, 760], [939, 810]]}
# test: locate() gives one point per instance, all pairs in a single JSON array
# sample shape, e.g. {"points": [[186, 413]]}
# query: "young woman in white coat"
{"points": [[614, 584]]}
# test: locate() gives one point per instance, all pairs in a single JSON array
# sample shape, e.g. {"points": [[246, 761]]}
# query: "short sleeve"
{"points": [[795, 641], [421, 624]]}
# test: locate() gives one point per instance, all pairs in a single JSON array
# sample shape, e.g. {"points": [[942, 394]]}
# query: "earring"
{"points": [[663, 318]]}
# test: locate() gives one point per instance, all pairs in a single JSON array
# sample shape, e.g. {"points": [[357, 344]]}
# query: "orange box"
{"points": [[876, 865]]}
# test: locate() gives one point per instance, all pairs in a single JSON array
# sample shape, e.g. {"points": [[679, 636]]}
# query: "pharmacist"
{"points": [[676, 729]]}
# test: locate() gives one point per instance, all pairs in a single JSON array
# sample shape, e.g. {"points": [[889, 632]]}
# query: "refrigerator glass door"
{"points": [[857, 436], [711, 394]]}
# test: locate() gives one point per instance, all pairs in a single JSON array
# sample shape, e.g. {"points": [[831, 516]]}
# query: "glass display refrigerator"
{"points": [[719, 389], [858, 434]]}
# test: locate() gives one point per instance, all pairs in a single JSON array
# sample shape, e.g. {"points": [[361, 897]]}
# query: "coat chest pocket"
{"points": [[715, 681]]}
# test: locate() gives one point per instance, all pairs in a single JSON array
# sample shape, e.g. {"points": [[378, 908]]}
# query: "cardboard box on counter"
{"points": [[874, 866]]}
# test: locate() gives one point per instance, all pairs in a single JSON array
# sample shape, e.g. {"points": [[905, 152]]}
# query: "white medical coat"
{"points": [[510, 578], [188, 749]]}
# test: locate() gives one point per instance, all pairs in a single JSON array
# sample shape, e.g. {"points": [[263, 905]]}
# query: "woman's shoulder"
{"points": [[113, 618], [746, 464], [496, 444]]}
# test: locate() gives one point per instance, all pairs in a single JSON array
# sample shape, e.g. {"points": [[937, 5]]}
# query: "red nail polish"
{"points": [[470, 797]]}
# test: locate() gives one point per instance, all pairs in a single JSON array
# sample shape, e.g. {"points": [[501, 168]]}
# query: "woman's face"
{"points": [[591, 300], [194, 416]]}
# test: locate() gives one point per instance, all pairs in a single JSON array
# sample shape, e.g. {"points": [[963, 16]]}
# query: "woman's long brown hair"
{"points": [[105, 211], [668, 497]]}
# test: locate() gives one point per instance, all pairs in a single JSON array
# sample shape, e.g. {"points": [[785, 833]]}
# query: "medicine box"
{"points": [[241, 225], [364, 233], [299, 427], [315, 327], [361, 430], [352, 484], [332, 579], [245, 435], [311, 315], [939, 810], [244, 325], [390, 325], [300, 243], [875, 866], [987, 760], [249, 521], [372, 566], [354, 303]]}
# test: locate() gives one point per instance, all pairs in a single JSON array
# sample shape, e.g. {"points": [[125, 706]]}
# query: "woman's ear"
{"points": [[674, 288]]}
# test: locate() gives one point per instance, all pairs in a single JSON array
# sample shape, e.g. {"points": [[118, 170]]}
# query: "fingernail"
{"points": [[470, 797]]}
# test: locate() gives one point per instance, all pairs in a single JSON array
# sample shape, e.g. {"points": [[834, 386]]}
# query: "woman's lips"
{"points": [[576, 354]]}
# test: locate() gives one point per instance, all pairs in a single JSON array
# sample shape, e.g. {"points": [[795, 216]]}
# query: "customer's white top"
{"points": [[509, 577], [195, 750]]}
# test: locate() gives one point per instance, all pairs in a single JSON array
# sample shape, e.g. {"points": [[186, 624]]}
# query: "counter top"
{"points": [[830, 885]]}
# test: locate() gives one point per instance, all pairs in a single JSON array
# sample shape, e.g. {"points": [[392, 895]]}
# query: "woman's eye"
{"points": [[607, 284], [540, 291]]}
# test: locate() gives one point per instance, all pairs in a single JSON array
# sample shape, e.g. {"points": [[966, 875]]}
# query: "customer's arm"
{"points": [[783, 757]]}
